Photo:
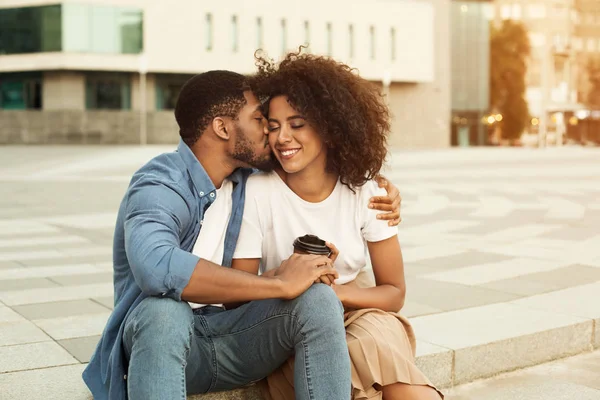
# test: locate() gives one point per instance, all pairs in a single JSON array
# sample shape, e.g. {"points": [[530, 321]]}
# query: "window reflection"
{"points": [[108, 92], [20, 91], [71, 28]]}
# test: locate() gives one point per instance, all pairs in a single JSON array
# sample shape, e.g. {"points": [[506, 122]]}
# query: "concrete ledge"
{"points": [[491, 359]]}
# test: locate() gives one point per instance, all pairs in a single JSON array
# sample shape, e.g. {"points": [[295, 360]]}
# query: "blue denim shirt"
{"points": [[157, 226]]}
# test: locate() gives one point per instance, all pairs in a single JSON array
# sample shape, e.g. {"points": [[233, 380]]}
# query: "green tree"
{"points": [[593, 70], [509, 50]]}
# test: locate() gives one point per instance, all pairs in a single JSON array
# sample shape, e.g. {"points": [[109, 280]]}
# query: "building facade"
{"points": [[109, 71], [564, 35], [470, 66]]}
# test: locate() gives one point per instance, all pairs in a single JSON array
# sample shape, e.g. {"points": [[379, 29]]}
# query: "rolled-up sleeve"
{"points": [[156, 217]]}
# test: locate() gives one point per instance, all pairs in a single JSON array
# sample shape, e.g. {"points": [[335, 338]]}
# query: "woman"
{"points": [[328, 130]]}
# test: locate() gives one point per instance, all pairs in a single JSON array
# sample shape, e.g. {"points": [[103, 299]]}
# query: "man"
{"points": [[155, 346]]}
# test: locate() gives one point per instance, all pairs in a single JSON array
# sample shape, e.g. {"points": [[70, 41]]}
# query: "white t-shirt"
{"points": [[210, 244], [274, 216]]}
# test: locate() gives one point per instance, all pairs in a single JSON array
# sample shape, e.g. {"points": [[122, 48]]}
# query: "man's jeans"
{"points": [[173, 350]]}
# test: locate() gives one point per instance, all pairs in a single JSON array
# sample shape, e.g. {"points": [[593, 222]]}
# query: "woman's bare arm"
{"points": [[388, 267]]}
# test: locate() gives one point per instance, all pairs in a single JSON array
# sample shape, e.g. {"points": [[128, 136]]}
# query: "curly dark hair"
{"points": [[207, 96], [348, 111]]}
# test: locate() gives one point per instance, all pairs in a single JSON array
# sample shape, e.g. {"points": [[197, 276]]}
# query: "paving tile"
{"points": [[83, 279], [28, 356], [81, 348], [50, 271], [60, 293], [56, 383], [412, 309], [65, 259], [29, 283], [488, 324], [108, 301], [25, 255], [12, 333], [466, 259], [573, 233], [9, 265], [41, 241], [88, 251], [430, 251], [579, 301], [484, 273], [59, 309], [447, 296], [11, 227], [521, 286], [566, 277], [74, 326], [520, 232], [8, 315]]}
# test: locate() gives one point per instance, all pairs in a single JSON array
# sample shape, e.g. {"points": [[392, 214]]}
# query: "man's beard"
{"points": [[244, 151]]}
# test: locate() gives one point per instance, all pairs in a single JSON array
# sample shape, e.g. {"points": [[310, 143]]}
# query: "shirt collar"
{"points": [[200, 178]]}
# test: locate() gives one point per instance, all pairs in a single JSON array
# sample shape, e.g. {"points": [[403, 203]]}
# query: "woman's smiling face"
{"points": [[294, 141]]}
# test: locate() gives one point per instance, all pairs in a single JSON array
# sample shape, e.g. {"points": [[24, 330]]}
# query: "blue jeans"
{"points": [[174, 350]]}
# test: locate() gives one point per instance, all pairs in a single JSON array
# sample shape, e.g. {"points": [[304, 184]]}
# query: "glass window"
{"points": [[71, 28], [234, 34], [516, 12], [591, 45], [537, 11], [329, 39], [575, 16], [372, 42], [307, 33], [102, 29], [167, 90], [20, 91], [577, 44], [108, 92], [30, 29], [259, 33], [350, 41], [393, 43], [208, 33], [283, 36], [505, 11], [537, 39]]}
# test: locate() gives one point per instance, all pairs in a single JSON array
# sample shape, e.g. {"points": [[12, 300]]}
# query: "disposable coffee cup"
{"points": [[311, 244]]}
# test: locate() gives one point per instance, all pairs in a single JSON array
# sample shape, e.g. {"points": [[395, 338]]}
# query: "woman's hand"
{"points": [[390, 203], [328, 279]]}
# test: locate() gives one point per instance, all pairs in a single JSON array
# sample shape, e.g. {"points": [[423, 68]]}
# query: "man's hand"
{"points": [[329, 279], [300, 271], [390, 203]]}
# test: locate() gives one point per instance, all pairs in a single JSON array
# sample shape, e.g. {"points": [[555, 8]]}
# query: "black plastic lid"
{"points": [[311, 244]]}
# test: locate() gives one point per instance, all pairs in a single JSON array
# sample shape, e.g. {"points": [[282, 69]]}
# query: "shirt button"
{"points": [[201, 193], [212, 195], [125, 377], [201, 222]]}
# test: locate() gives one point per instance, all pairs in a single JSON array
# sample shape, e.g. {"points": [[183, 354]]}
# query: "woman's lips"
{"points": [[286, 154]]}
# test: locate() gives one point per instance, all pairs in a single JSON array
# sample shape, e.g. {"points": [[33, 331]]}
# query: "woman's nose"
{"points": [[284, 135]]}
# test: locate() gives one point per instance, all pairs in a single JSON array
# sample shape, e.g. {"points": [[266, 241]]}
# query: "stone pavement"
{"points": [[501, 249], [575, 378]]}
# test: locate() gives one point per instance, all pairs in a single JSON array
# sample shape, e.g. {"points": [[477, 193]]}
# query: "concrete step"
{"points": [[465, 345]]}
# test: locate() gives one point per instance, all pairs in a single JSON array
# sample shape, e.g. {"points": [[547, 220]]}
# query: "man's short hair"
{"points": [[207, 96]]}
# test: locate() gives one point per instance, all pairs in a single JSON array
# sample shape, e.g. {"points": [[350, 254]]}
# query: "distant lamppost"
{"points": [[143, 70]]}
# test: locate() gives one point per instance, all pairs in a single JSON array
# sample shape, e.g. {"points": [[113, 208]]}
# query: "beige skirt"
{"points": [[382, 352]]}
